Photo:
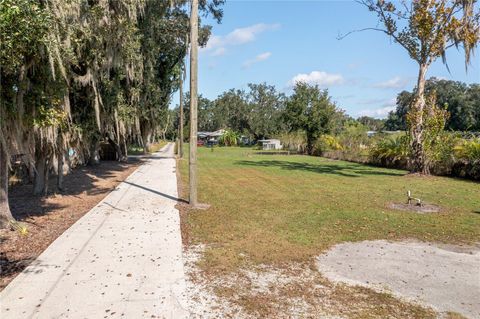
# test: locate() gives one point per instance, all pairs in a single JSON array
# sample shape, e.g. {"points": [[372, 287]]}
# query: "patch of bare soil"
{"points": [[48, 217], [419, 209], [295, 290]]}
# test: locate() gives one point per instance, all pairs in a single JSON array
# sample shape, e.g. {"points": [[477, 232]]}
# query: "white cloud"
{"points": [[394, 83], [378, 113], [381, 112], [219, 51], [261, 57], [375, 101], [218, 44], [213, 42], [319, 78], [248, 34]]}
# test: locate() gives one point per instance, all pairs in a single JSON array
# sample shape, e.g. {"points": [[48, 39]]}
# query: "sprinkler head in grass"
{"points": [[410, 198]]}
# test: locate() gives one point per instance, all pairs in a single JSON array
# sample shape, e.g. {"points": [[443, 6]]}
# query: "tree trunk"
{"points": [[146, 138], [60, 171], [193, 102], [31, 172], [164, 131], [60, 162], [40, 186], [21, 91], [124, 148], [146, 133], [419, 160], [94, 158], [5, 213], [118, 150], [310, 143]]}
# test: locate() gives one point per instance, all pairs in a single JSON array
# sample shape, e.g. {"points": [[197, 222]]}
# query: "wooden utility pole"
{"points": [[180, 143], [183, 76], [193, 102]]}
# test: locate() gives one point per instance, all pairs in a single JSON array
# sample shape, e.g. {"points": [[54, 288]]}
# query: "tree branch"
{"points": [[341, 37]]}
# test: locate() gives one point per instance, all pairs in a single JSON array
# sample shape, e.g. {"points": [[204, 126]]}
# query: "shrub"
{"points": [[468, 150], [294, 142], [441, 153], [353, 144], [392, 151], [229, 138], [354, 137], [326, 143], [467, 159]]}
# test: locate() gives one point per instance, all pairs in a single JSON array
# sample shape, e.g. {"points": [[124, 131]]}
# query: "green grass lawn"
{"points": [[282, 208]]}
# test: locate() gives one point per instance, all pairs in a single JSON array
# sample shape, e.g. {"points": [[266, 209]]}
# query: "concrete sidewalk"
{"points": [[123, 259]]}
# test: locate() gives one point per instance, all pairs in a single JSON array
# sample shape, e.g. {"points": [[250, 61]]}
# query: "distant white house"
{"points": [[270, 144]]}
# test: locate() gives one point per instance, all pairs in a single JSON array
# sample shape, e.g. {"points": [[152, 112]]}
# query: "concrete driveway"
{"points": [[444, 277], [123, 259]]}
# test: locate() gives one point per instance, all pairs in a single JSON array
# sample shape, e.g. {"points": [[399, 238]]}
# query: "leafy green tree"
{"points": [[473, 96], [426, 29], [459, 99], [265, 110], [232, 110], [372, 123], [397, 120], [310, 110], [256, 112], [24, 27], [206, 113], [453, 96], [75, 73]]}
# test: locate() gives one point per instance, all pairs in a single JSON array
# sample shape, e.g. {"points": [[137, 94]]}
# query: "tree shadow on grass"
{"points": [[347, 169]]}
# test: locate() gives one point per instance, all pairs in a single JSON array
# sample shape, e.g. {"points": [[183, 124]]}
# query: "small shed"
{"points": [[271, 144]]}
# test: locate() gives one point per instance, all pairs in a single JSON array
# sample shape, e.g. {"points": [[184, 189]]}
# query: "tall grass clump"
{"points": [[467, 159], [391, 151]]}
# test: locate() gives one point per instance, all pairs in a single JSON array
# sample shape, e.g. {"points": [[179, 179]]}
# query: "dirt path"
{"points": [[122, 259], [447, 278]]}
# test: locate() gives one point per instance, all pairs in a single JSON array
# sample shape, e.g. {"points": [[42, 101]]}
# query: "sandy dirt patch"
{"points": [[419, 209], [446, 278], [296, 290]]}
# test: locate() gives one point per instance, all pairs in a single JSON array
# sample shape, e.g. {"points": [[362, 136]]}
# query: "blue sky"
{"points": [[279, 42]]}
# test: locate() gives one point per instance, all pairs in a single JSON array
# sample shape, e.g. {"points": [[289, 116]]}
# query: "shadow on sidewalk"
{"points": [[157, 192]]}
